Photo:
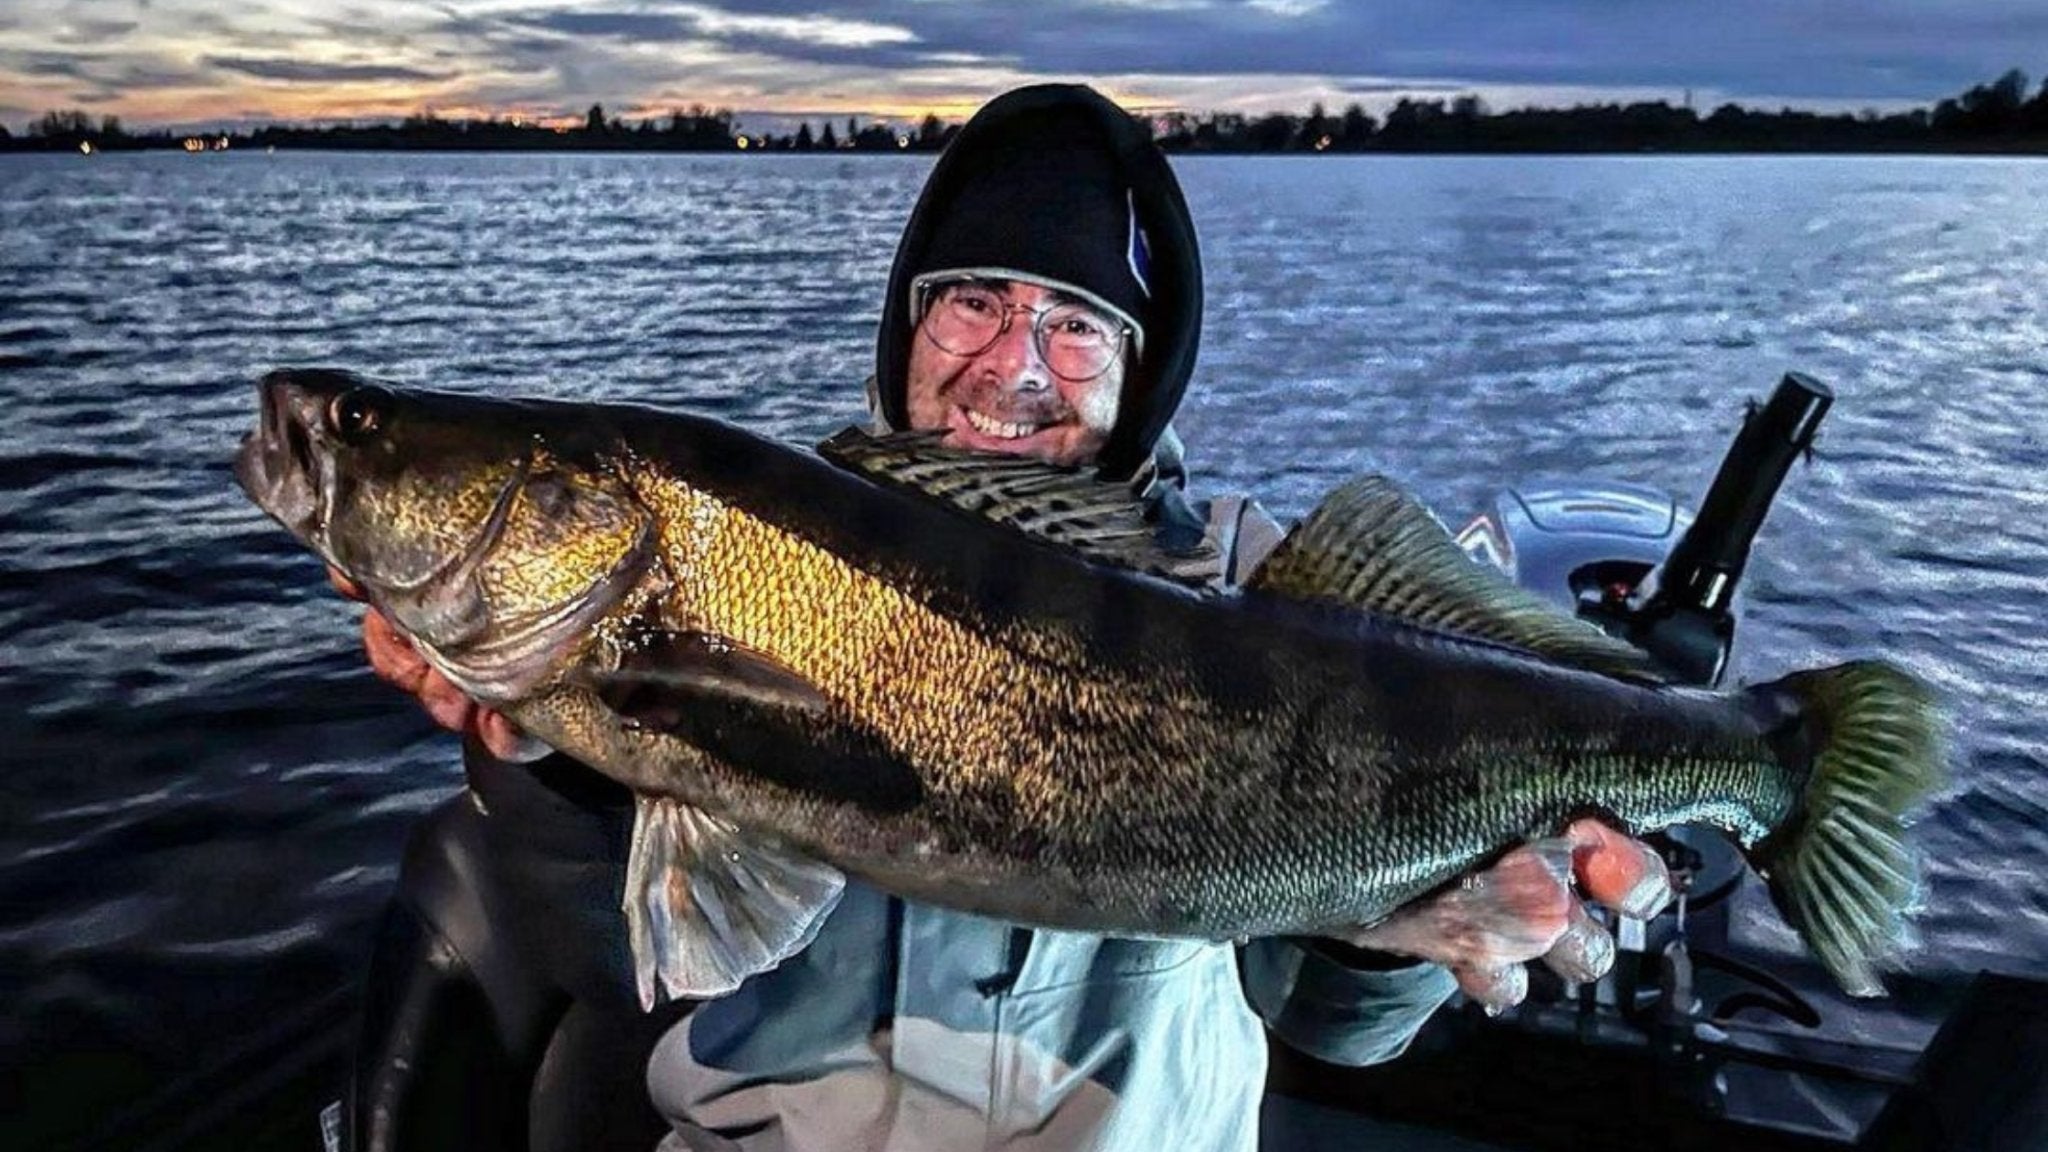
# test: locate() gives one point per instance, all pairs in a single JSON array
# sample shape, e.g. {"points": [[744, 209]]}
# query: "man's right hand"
{"points": [[393, 657], [1526, 907]]}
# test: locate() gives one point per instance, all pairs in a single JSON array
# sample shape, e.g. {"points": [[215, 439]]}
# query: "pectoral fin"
{"points": [[707, 908], [1372, 546], [671, 672], [749, 710]]}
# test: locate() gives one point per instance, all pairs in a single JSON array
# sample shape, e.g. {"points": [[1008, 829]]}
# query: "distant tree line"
{"points": [[697, 129], [1997, 116], [1994, 117]]}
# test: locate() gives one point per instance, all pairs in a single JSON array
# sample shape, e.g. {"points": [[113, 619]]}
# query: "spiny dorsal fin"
{"points": [[1069, 506], [1370, 545]]}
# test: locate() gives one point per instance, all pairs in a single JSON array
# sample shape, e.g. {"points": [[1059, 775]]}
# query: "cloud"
{"points": [[1157, 5], [131, 74], [307, 71], [826, 31], [682, 53], [1816, 48], [45, 64], [92, 33], [305, 57], [640, 26], [695, 21], [1287, 7]]}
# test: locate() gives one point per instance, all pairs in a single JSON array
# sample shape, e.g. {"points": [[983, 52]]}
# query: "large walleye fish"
{"points": [[976, 682]]}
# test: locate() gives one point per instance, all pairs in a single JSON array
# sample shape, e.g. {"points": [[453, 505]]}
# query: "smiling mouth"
{"points": [[1000, 429]]}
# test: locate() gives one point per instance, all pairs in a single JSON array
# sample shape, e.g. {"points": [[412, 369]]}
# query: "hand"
{"points": [[1494, 922], [394, 659]]}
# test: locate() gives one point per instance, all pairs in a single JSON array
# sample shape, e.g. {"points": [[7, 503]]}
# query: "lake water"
{"points": [[205, 791]]}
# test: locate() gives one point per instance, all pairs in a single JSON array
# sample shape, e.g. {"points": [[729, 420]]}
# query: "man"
{"points": [[1045, 301]]}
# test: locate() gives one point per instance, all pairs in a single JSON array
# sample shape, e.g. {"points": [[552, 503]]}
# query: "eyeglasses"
{"points": [[1077, 342]]}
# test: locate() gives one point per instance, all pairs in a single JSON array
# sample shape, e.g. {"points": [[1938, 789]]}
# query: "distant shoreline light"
{"points": [[1996, 117]]}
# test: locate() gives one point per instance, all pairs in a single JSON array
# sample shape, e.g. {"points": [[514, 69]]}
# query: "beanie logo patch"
{"points": [[1137, 252]]}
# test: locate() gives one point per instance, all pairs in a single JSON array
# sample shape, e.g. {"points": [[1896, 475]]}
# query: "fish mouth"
{"points": [[281, 463], [289, 465]]}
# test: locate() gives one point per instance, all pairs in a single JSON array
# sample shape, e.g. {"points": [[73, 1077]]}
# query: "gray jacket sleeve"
{"points": [[1335, 1012], [1309, 998]]}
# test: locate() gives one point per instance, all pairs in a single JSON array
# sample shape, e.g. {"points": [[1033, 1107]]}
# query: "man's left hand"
{"points": [[1493, 923]]}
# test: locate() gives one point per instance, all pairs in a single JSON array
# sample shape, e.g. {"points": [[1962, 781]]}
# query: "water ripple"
{"points": [[187, 697]]}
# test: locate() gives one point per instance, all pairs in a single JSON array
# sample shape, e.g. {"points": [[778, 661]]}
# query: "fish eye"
{"points": [[357, 414]]}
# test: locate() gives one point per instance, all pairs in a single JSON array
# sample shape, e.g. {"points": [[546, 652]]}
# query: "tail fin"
{"points": [[1839, 870]]}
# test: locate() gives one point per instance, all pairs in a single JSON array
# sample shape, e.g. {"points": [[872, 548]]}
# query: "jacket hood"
{"points": [[1171, 312]]}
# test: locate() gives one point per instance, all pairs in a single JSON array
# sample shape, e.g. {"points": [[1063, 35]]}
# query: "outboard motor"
{"points": [[1686, 616], [1631, 560]]}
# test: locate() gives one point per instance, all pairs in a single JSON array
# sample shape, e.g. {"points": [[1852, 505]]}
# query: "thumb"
{"points": [[506, 740], [1494, 988], [343, 584]]}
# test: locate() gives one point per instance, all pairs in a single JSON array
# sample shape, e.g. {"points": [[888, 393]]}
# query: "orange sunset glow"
{"points": [[190, 63]]}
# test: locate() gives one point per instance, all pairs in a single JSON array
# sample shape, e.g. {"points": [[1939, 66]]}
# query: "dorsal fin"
{"points": [[1372, 546], [1069, 506]]}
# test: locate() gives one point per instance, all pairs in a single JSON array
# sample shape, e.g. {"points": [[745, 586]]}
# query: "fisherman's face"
{"points": [[1006, 399]]}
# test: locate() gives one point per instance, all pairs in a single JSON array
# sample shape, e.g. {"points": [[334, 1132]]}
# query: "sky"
{"points": [[201, 63]]}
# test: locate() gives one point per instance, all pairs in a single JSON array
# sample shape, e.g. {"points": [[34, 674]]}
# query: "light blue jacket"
{"points": [[905, 1026]]}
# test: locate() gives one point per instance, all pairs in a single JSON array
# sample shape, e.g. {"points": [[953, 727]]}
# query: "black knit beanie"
{"points": [[1048, 202]]}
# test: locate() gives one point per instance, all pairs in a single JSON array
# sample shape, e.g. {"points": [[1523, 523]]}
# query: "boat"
{"points": [[1703, 1036]]}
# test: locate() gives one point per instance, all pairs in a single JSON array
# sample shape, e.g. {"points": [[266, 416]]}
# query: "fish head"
{"points": [[492, 533]]}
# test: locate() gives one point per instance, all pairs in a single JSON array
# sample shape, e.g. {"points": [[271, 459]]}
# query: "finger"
{"points": [[379, 627], [1585, 952], [1555, 853], [392, 656], [1619, 872], [446, 703], [1515, 910], [343, 584], [1512, 912], [1494, 988], [500, 735]]}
